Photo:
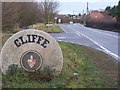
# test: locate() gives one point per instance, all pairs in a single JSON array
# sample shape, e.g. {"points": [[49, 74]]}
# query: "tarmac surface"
{"points": [[102, 40]]}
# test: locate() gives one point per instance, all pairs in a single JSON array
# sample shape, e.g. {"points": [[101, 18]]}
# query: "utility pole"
{"points": [[73, 12], [87, 11], [87, 8], [83, 12]]}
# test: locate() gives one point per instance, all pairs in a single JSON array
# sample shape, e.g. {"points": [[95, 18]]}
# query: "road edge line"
{"points": [[105, 50]]}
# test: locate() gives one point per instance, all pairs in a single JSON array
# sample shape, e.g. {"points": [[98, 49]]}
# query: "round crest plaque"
{"points": [[31, 61]]}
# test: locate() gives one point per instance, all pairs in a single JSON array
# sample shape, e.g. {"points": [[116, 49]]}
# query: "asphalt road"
{"points": [[105, 41]]}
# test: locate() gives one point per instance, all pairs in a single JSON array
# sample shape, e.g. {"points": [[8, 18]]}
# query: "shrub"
{"points": [[13, 69]]}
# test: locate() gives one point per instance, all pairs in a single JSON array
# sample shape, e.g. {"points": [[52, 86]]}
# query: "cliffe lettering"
{"points": [[31, 38]]}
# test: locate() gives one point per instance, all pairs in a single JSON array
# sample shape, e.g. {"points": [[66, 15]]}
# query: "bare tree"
{"points": [[23, 14], [48, 10]]}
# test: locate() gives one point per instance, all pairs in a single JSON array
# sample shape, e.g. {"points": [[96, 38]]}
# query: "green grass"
{"points": [[51, 29], [75, 58]]}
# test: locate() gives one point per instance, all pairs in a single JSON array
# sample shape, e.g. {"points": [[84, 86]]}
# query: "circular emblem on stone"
{"points": [[32, 50], [31, 61]]}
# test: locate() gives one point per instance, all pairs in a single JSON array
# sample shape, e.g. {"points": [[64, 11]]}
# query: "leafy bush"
{"points": [[13, 69]]}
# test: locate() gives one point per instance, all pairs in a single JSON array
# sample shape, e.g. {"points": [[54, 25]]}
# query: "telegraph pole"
{"points": [[87, 11], [87, 8], [83, 12]]}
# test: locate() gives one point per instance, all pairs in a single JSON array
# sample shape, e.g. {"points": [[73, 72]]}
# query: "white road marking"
{"points": [[59, 40], [63, 29], [105, 50], [77, 34], [61, 37], [103, 33], [100, 32]]}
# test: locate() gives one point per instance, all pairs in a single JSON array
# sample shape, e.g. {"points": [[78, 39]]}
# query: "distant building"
{"points": [[97, 16], [98, 19], [66, 18]]}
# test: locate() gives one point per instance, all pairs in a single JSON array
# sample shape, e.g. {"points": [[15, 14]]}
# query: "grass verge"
{"points": [[95, 70], [51, 29]]}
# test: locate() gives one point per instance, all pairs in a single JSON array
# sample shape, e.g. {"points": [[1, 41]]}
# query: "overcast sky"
{"points": [[87, 0], [79, 6]]}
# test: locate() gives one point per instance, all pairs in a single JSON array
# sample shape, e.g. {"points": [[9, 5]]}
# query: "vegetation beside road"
{"points": [[54, 28], [95, 70], [23, 14], [40, 26]]}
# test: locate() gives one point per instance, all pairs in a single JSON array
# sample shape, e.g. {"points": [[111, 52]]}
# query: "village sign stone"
{"points": [[32, 50]]}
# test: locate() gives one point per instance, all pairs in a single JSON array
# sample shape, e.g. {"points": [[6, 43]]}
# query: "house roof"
{"points": [[96, 15]]}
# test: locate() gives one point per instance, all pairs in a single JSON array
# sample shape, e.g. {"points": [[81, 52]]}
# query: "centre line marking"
{"points": [[77, 34], [104, 33], [90, 29]]}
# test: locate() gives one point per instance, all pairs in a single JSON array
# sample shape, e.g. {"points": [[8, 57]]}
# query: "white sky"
{"points": [[84, 0], [87, 0], [79, 6]]}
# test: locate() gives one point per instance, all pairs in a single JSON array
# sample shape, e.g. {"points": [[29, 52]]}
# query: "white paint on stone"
{"points": [[51, 55]]}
